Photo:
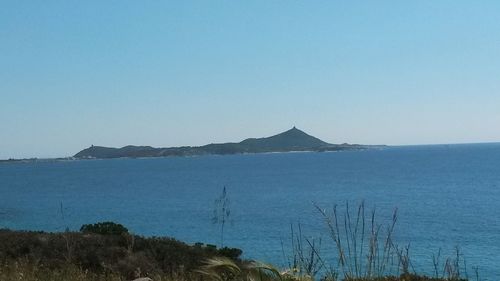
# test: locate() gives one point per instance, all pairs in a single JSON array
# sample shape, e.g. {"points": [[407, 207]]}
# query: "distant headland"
{"points": [[288, 141]]}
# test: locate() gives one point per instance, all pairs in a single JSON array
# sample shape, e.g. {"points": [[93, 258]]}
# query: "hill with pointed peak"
{"points": [[288, 141]]}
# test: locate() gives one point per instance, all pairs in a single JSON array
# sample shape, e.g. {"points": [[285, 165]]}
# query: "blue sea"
{"points": [[446, 196]]}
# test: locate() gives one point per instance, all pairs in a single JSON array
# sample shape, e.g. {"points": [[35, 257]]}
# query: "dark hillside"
{"points": [[291, 140]]}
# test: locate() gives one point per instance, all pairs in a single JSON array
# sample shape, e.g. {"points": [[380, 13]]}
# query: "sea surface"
{"points": [[446, 196]]}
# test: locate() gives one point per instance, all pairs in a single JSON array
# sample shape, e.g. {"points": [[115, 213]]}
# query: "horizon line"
{"points": [[387, 145]]}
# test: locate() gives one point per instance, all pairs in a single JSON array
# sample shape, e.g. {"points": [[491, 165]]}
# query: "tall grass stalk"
{"points": [[305, 253], [363, 249]]}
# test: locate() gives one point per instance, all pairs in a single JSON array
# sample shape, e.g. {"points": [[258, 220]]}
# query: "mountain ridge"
{"points": [[287, 141]]}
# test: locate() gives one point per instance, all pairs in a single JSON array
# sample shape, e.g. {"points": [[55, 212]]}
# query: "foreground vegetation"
{"points": [[100, 252], [365, 251]]}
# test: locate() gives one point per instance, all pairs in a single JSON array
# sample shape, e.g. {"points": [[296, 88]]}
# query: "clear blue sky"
{"points": [[169, 73]]}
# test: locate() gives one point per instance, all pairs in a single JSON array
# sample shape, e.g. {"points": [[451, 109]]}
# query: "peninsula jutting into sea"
{"points": [[288, 141]]}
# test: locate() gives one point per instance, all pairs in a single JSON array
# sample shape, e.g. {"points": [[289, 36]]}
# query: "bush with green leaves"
{"points": [[104, 228], [114, 252]]}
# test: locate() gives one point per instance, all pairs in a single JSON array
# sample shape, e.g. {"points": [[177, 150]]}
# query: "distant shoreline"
{"points": [[292, 140], [367, 147], [64, 159]]}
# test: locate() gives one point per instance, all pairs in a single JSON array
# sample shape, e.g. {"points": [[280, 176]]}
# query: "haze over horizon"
{"points": [[167, 74]]}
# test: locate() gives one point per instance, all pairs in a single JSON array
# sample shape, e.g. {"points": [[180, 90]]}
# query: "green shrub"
{"points": [[104, 228], [123, 254], [232, 253]]}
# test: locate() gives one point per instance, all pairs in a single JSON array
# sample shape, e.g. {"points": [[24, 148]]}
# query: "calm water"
{"points": [[446, 196]]}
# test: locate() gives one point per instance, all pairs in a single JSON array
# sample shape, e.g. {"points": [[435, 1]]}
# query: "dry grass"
{"points": [[27, 271], [223, 269]]}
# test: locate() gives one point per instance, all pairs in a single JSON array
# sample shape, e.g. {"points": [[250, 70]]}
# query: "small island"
{"points": [[292, 140]]}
